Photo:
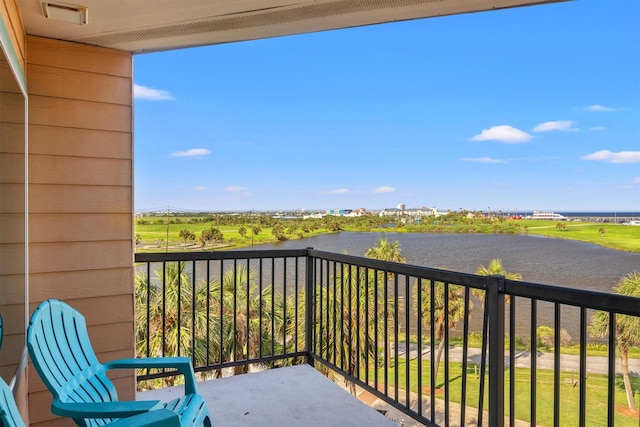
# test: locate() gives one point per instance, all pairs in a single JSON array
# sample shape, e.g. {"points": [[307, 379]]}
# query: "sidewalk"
{"points": [[568, 362]]}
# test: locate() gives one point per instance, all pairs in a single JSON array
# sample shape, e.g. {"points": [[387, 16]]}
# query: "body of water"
{"points": [[538, 259], [601, 214]]}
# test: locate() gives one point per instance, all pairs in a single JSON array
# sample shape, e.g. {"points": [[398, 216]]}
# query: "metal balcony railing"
{"points": [[418, 338]]}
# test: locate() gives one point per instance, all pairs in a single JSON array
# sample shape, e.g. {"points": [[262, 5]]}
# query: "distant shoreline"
{"points": [[594, 214]]}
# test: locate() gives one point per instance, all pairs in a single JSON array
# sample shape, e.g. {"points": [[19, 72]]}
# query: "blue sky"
{"points": [[519, 109]]}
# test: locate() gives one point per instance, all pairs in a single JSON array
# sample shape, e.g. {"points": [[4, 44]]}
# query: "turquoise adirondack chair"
{"points": [[61, 352], [10, 416]]}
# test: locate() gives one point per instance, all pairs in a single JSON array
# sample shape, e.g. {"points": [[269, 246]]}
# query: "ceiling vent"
{"points": [[64, 12]]}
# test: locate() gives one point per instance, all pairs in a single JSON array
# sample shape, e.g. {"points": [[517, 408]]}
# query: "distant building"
{"points": [[317, 215], [421, 212], [390, 212], [359, 212], [339, 212]]}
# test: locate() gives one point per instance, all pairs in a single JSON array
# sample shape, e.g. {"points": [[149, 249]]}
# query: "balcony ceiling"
{"points": [[153, 25]]}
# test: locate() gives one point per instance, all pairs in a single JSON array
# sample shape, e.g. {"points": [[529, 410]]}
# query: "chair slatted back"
{"points": [[61, 352], [9, 414]]}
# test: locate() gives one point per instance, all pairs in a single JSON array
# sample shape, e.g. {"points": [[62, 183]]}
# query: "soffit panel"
{"points": [[153, 25]]}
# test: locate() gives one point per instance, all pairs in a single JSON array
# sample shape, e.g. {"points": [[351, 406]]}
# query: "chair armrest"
{"points": [[182, 364], [103, 409], [150, 362], [157, 418]]}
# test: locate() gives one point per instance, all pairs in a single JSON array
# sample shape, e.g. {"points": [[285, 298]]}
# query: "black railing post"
{"points": [[309, 306], [495, 304]]}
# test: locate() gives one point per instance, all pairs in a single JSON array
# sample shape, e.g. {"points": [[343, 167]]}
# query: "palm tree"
{"points": [[355, 303], [386, 251], [174, 325], [163, 310], [249, 326], [446, 311], [241, 324], [494, 268], [348, 322], [627, 329], [241, 318]]}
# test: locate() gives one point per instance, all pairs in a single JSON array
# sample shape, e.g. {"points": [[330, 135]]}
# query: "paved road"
{"points": [[568, 362]]}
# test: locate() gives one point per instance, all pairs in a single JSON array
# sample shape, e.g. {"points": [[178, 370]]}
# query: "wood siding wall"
{"points": [[81, 197]]}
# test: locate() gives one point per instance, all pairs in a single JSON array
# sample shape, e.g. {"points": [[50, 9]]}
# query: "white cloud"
{"points": [[597, 128], [384, 189], [201, 188], [237, 192], [636, 180], [150, 94], [482, 160], [191, 152], [601, 108], [503, 133], [337, 191], [236, 188], [559, 125], [611, 157]]}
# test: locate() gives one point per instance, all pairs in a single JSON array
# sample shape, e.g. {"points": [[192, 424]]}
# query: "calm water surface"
{"points": [[538, 259]]}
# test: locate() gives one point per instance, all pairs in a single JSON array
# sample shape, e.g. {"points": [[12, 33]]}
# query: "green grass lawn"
{"points": [[616, 236], [152, 234], [596, 404], [153, 237]]}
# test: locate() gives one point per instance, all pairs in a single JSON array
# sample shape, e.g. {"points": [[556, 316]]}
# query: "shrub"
{"points": [[546, 337]]}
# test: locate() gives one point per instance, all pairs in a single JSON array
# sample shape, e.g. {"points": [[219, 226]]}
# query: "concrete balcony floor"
{"points": [[292, 396]]}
